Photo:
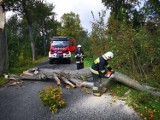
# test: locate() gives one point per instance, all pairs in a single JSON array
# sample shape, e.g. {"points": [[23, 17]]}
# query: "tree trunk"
{"points": [[3, 43], [26, 14], [135, 84], [32, 42], [75, 76], [44, 38], [56, 79], [67, 82]]}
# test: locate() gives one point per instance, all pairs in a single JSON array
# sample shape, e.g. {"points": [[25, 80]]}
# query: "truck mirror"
{"points": [[72, 45]]}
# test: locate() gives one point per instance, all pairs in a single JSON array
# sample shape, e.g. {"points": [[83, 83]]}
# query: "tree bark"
{"points": [[75, 76], [135, 84], [32, 42], [3, 43], [67, 82], [56, 79]]}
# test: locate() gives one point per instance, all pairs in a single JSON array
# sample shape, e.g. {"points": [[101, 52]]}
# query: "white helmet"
{"points": [[108, 55], [78, 45]]}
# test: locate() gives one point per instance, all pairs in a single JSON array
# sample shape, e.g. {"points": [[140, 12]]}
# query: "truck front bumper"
{"points": [[59, 55]]}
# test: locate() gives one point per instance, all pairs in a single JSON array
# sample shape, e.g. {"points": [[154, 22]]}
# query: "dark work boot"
{"points": [[97, 87], [96, 91]]}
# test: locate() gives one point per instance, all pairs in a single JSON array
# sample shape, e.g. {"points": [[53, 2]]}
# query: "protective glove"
{"points": [[77, 55], [80, 55], [112, 71]]}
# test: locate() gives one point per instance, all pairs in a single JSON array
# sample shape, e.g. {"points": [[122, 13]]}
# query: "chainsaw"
{"points": [[109, 74]]}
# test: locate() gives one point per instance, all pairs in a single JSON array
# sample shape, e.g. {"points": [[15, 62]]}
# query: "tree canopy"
{"points": [[70, 25]]}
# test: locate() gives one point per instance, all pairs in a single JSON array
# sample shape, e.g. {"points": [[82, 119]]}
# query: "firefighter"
{"points": [[79, 55], [99, 69]]}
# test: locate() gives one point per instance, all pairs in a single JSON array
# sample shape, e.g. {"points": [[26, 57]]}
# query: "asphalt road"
{"points": [[23, 103]]}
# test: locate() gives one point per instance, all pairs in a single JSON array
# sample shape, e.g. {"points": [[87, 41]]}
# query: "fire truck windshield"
{"points": [[59, 43]]}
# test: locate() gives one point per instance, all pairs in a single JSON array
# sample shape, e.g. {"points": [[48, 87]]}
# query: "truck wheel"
{"points": [[50, 61], [69, 61]]}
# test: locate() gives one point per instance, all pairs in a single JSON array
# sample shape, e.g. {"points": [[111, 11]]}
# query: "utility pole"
{"points": [[3, 41]]}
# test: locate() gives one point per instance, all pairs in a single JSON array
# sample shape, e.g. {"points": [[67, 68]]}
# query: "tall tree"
{"points": [[71, 25], [151, 12], [98, 35], [3, 41], [17, 43], [28, 10], [45, 21], [121, 8], [155, 5]]}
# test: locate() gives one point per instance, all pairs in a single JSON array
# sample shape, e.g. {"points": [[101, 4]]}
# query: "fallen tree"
{"points": [[74, 79]]}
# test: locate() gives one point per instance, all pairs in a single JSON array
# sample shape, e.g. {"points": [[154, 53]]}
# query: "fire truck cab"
{"points": [[61, 48]]}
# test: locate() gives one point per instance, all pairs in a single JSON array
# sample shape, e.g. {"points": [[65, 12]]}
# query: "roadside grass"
{"points": [[19, 68], [3, 80], [146, 105], [88, 62]]}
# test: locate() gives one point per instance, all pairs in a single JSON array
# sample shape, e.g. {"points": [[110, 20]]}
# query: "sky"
{"points": [[81, 7]]}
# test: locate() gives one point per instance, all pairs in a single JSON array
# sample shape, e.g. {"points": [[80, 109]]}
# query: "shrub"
{"points": [[52, 97]]}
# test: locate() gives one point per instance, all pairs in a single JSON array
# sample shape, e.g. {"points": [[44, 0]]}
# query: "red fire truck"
{"points": [[61, 48]]}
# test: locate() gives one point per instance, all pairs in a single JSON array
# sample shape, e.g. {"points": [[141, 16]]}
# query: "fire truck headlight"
{"points": [[54, 55]]}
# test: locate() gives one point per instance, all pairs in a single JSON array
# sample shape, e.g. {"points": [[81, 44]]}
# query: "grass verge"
{"points": [[19, 68], [3, 80], [88, 62], [146, 105]]}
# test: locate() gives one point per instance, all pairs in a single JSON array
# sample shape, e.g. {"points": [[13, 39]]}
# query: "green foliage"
{"points": [[3, 80], [148, 106], [71, 25], [32, 30], [118, 89], [87, 62], [136, 49], [18, 68], [121, 9], [99, 42], [84, 40], [136, 52], [52, 97]]}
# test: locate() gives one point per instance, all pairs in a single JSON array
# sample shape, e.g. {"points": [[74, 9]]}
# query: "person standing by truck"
{"points": [[79, 55]]}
